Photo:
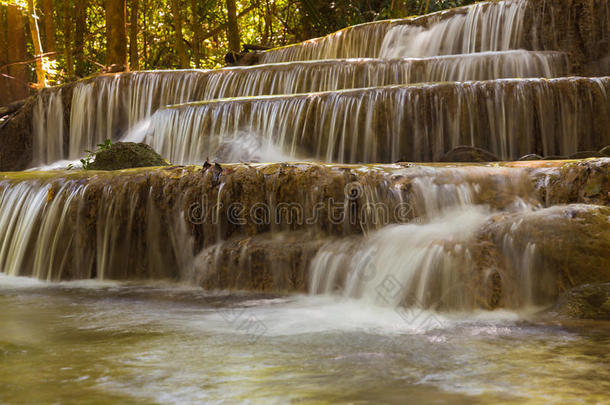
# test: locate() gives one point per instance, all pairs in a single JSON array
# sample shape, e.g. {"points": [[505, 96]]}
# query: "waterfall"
{"points": [[428, 236], [108, 106], [48, 128], [410, 123], [360, 41], [438, 259], [485, 27], [58, 228]]}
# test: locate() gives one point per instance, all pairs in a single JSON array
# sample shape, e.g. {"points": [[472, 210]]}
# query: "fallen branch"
{"points": [[25, 62]]}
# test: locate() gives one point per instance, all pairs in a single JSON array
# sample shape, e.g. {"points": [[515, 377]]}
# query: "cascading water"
{"points": [[487, 26], [484, 27], [438, 259], [130, 98], [510, 118], [403, 261], [81, 231]]}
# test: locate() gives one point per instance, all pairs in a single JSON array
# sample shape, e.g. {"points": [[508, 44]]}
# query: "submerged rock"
{"points": [[126, 155], [531, 156], [466, 154], [589, 301]]}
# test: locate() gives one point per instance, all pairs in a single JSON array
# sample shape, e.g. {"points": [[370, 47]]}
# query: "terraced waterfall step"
{"points": [[579, 28], [68, 120], [510, 118], [222, 226]]}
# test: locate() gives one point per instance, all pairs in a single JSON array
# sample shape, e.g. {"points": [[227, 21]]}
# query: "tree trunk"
{"points": [[134, 63], [197, 28], [116, 36], [79, 37], [41, 75], [5, 92], [17, 53], [398, 8], [49, 26], [67, 27], [180, 49], [232, 28]]}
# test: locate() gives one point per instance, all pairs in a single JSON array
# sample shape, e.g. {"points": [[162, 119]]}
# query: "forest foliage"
{"points": [[48, 42]]}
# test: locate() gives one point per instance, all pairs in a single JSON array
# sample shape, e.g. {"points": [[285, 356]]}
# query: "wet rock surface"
{"points": [[16, 138], [148, 223], [566, 246], [469, 154], [589, 301]]}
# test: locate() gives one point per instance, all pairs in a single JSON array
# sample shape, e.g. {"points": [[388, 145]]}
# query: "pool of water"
{"points": [[97, 342]]}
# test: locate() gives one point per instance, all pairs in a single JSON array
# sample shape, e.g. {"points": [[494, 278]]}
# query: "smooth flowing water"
{"points": [[510, 117], [427, 283], [122, 343]]}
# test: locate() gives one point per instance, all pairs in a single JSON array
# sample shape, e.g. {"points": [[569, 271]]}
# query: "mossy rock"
{"points": [[466, 154], [589, 301], [126, 155]]}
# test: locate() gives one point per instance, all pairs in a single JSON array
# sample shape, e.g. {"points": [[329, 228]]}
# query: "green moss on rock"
{"points": [[126, 155]]}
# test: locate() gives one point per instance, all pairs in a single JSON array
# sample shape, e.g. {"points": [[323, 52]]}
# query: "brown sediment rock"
{"points": [[589, 301], [579, 27], [267, 262], [151, 223], [586, 181], [531, 156], [16, 138], [469, 154], [587, 155], [570, 246]]}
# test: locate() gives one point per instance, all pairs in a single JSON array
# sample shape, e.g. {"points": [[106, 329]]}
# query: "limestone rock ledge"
{"points": [[257, 226]]}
